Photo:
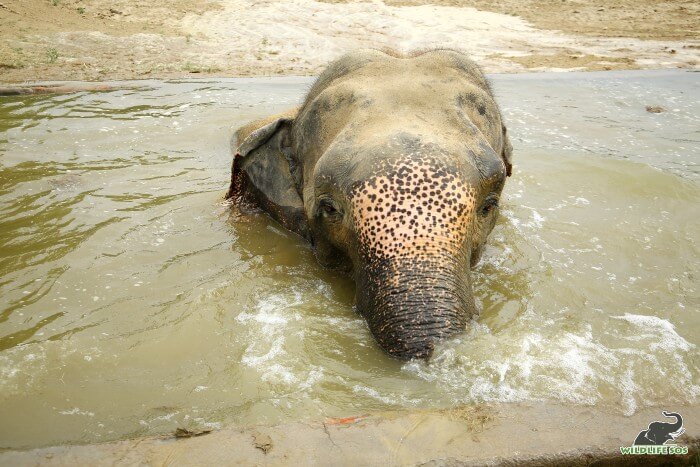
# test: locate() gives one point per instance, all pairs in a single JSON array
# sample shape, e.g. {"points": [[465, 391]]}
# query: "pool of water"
{"points": [[132, 302]]}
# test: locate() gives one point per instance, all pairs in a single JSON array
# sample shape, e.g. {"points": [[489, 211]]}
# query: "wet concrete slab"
{"points": [[536, 434]]}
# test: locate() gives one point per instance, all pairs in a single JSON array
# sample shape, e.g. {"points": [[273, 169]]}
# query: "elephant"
{"points": [[392, 169], [659, 432]]}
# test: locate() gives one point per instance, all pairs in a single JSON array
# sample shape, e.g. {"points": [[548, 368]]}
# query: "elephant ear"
{"points": [[261, 175], [507, 152]]}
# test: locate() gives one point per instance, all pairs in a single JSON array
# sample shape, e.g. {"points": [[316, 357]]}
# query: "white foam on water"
{"points": [[670, 340], [23, 365], [314, 376], [389, 398], [207, 424], [77, 411], [570, 367], [628, 389], [253, 359], [277, 373], [271, 319]]}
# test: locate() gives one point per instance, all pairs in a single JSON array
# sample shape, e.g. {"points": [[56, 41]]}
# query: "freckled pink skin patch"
{"points": [[412, 212]]}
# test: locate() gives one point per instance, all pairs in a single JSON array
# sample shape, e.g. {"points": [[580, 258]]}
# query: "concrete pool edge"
{"points": [[11, 89], [502, 434]]}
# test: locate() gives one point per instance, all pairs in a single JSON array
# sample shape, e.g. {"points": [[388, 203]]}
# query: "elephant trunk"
{"points": [[679, 421], [409, 303]]}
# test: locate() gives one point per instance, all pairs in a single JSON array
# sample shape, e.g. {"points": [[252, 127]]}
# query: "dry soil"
{"points": [[131, 39]]}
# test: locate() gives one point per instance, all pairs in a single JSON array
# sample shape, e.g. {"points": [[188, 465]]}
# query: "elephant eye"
{"points": [[489, 205], [327, 208]]}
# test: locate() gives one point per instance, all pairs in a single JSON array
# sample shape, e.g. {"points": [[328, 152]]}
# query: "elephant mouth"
{"points": [[415, 336], [411, 305]]}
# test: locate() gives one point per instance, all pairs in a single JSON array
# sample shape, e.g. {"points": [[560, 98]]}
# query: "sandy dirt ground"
{"points": [[136, 39]]}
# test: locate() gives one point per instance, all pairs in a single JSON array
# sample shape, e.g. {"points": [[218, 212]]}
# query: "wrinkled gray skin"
{"points": [[392, 169]]}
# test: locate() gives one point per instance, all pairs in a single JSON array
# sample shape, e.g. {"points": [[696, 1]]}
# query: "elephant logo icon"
{"points": [[658, 433]]}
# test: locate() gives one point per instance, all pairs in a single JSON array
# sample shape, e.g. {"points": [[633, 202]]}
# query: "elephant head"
{"points": [[659, 433], [392, 168]]}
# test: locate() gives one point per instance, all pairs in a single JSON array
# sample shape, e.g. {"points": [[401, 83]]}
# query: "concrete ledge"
{"points": [[537, 434]]}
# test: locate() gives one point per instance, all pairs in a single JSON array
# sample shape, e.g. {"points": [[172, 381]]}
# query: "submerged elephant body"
{"points": [[392, 168]]}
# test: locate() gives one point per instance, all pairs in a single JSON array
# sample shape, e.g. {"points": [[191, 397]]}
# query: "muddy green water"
{"points": [[132, 303]]}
